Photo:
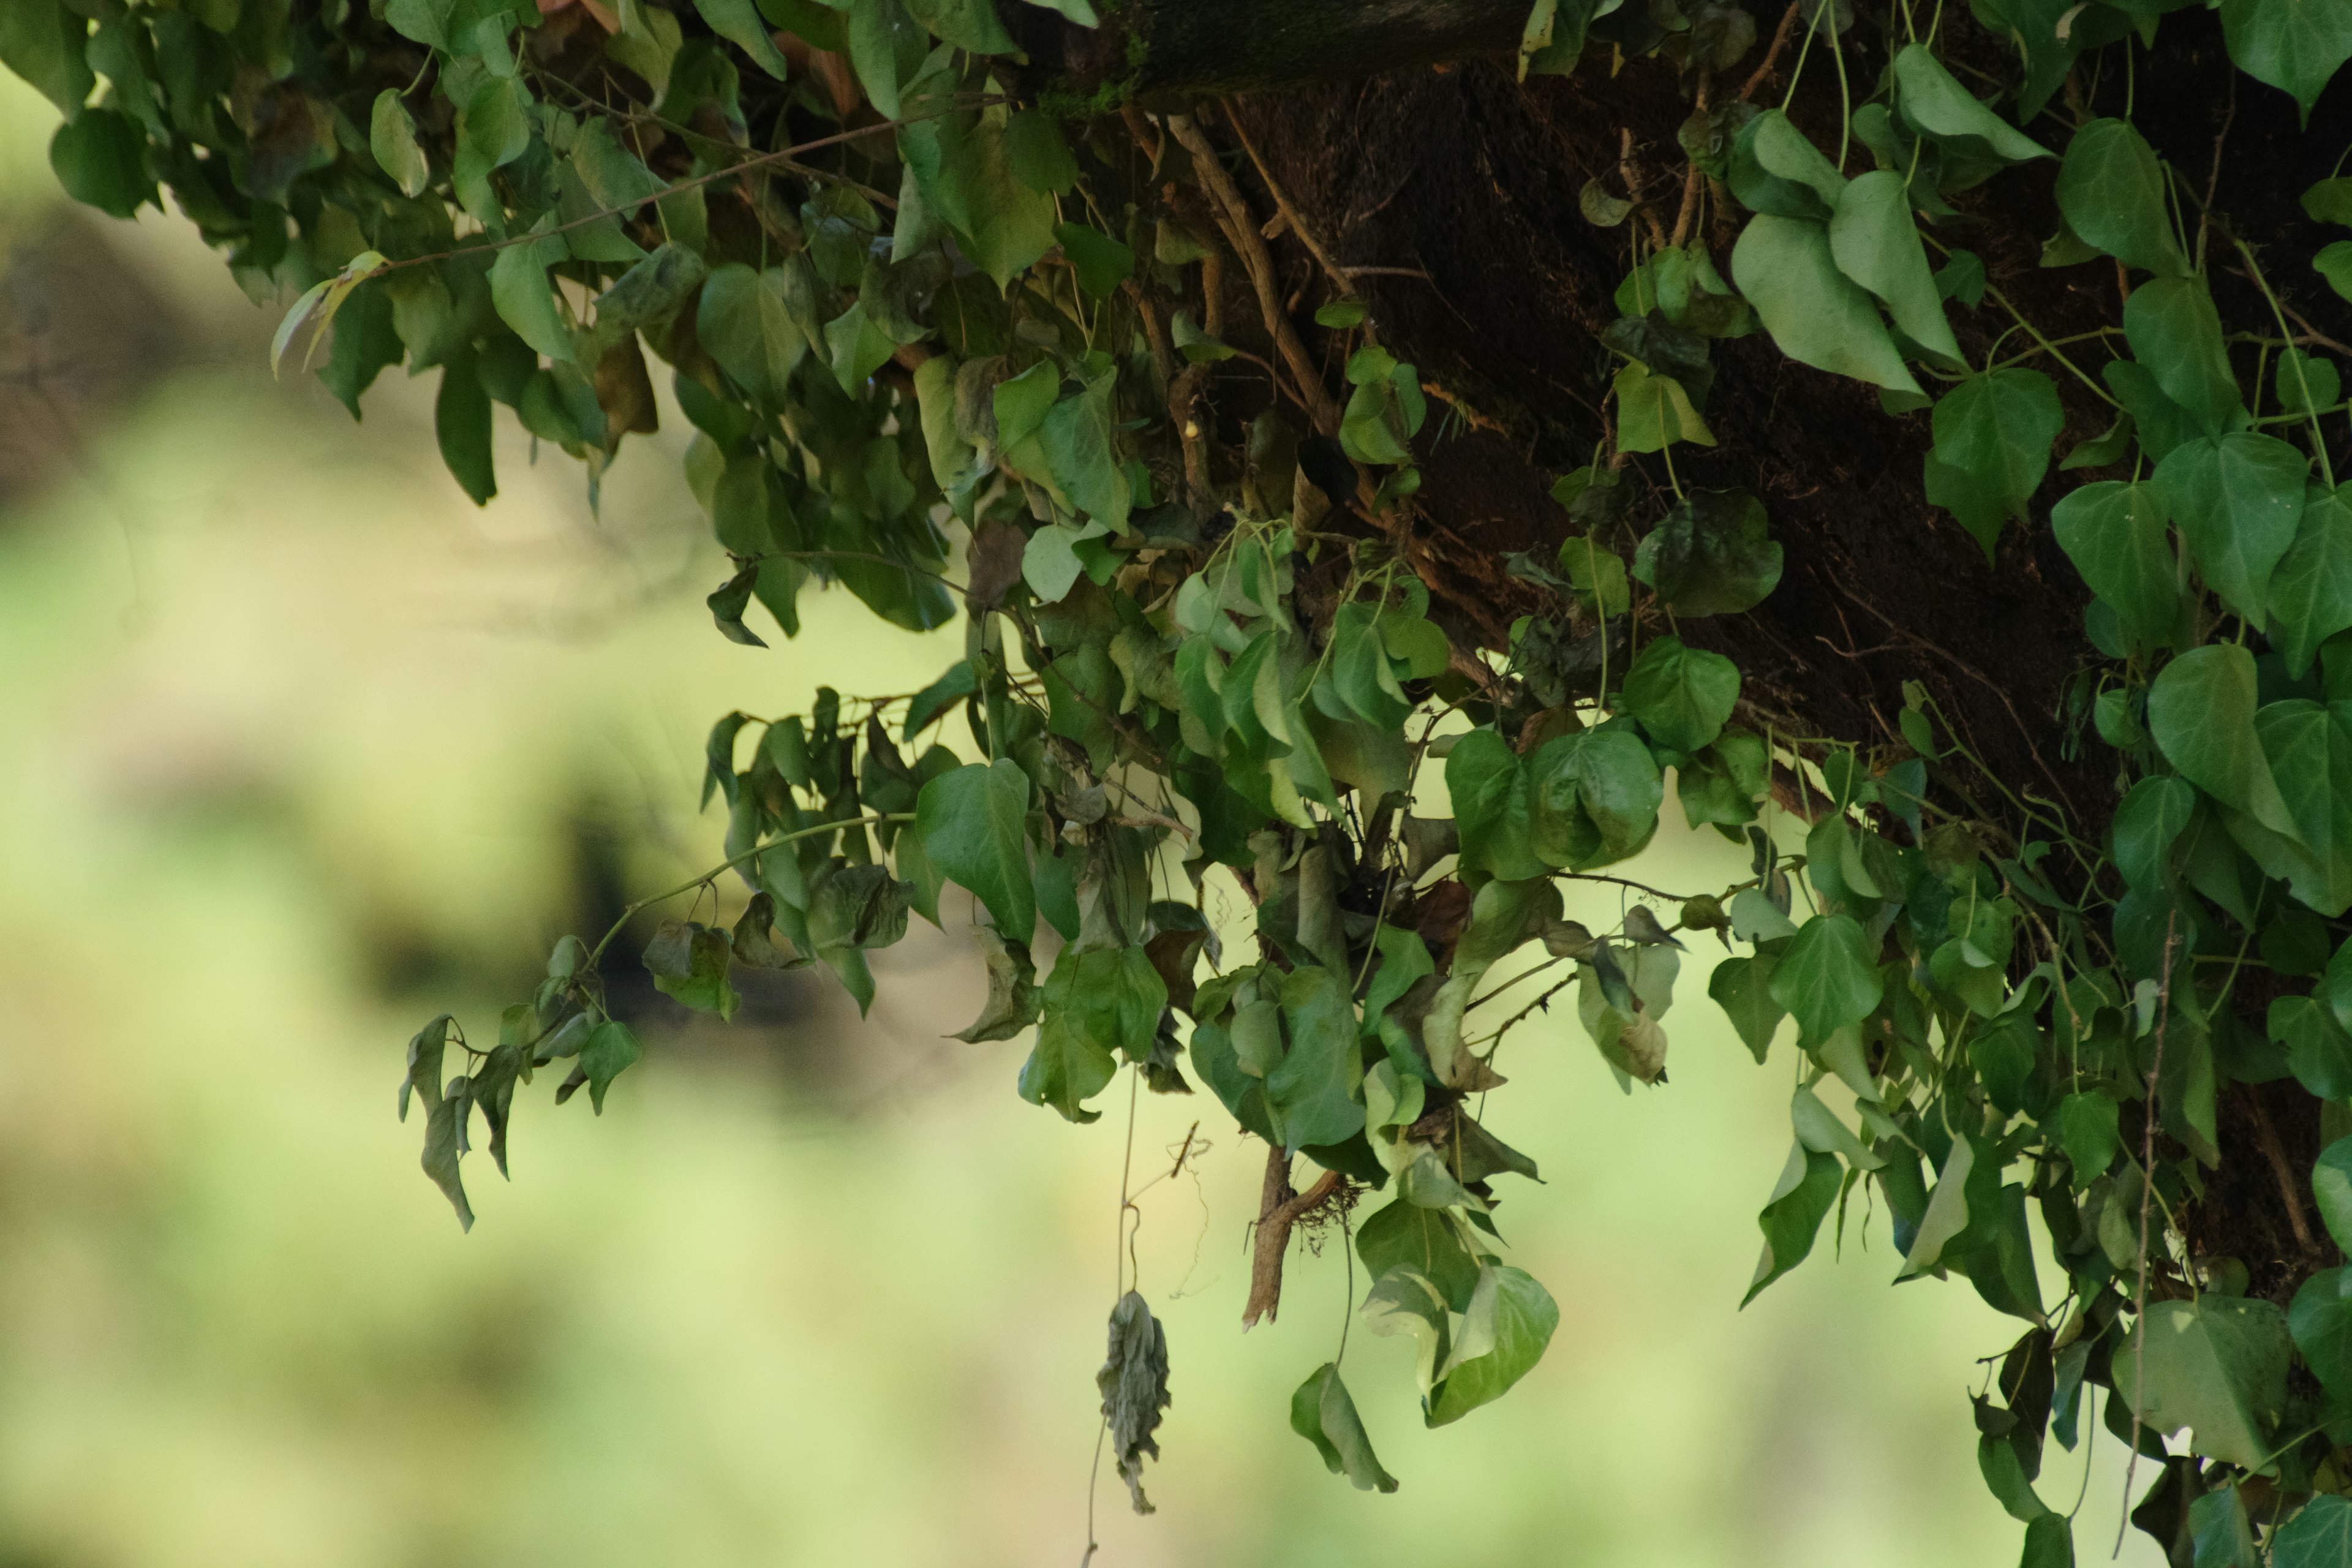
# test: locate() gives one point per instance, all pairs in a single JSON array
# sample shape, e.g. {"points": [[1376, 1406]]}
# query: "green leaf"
{"points": [[2088, 1132], [1340, 315], [1682, 696], [2319, 1536], [1076, 437], [2334, 262], [1593, 797], [100, 159], [1997, 429], [2331, 1188], [1792, 1216], [1815, 313], [391, 138], [461, 421], [47, 44], [1315, 1091], [1407, 1235], [1652, 413], [1004, 225], [857, 347], [1937, 106], [738, 22], [2216, 1365], [1743, 987], [2309, 749], [1012, 1004], [525, 300], [1713, 555], [1102, 262], [2306, 384], [445, 1146], [2238, 498], [2111, 192], [613, 174], [1322, 1413], [974, 823], [2151, 818], [970, 24], [1489, 790], [2200, 711], [2311, 590], [1875, 243], [688, 961], [612, 1047], [2318, 1051], [1510, 1320], [1133, 1382], [2295, 45], [1827, 978], [2175, 332], [2115, 533], [757, 326], [2320, 1318], [1066, 1067]]}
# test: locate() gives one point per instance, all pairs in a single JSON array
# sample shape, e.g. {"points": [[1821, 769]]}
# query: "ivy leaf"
{"points": [[2331, 1188], [1593, 796], [1682, 696], [2238, 498], [1075, 437], [2111, 192], [611, 1048], [2295, 45], [392, 139], [1827, 978], [1996, 431], [2319, 1536], [1012, 1004], [1134, 1384], [524, 298], [425, 1052], [1489, 789], [2175, 332], [1315, 1091], [1405, 1235], [857, 347], [2306, 384], [2318, 1051], [974, 823], [1937, 106], [1816, 314], [1510, 1320], [445, 1144], [2311, 590], [738, 22], [2320, 1318], [970, 24], [1743, 988], [2309, 749], [2115, 533], [1653, 411], [1323, 1412], [1792, 1215], [1876, 243], [2088, 1132], [2216, 1365], [100, 159], [1102, 262], [1066, 1067], [757, 326], [688, 961], [1713, 555], [2200, 711], [1004, 226], [47, 44]]}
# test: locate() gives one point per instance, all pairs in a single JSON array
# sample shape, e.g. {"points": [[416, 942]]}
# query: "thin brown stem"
{"points": [[1279, 1209]]}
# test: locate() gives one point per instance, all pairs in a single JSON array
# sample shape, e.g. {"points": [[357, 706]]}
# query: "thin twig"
{"points": [[1241, 232], [1281, 204], [1763, 71], [2280, 1171], [1279, 1210]]}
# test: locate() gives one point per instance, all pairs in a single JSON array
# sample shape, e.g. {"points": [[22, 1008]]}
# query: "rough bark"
{"points": [[1154, 49]]}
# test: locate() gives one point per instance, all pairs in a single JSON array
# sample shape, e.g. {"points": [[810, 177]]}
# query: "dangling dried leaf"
{"points": [[1011, 991], [1134, 1383]]}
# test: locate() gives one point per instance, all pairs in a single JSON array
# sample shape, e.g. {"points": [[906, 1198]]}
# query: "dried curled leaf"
{"points": [[1134, 1383]]}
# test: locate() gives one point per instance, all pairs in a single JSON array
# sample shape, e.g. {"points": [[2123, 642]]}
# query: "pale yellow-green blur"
{"points": [[282, 711]]}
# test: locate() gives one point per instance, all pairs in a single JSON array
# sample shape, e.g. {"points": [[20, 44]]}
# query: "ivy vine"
{"points": [[961, 343]]}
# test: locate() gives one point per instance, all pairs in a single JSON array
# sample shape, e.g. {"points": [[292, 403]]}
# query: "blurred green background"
{"points": [[299, 747]]}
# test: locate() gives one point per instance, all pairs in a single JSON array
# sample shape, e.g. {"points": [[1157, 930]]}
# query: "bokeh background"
{"points": [[297, 747]]}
